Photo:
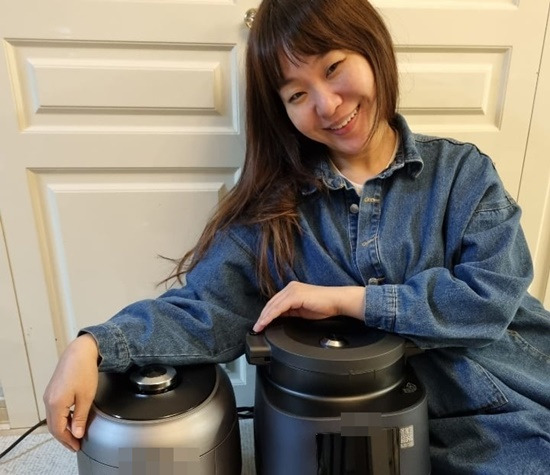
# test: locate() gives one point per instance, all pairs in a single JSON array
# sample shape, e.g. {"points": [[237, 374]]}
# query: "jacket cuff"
{"points": [[381, 307], [114, 353]]}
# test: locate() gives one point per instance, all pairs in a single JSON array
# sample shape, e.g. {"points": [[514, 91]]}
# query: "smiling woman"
{"points": [[342, 210], [331, 99]]}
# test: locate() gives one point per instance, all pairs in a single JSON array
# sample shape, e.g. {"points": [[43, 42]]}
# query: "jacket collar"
{"points": [[407, 157]]}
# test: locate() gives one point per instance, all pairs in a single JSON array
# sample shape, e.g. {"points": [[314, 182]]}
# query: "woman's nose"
{"points": [[326, 102]]}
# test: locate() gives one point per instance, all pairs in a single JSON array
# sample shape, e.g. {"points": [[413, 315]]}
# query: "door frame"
{"points": [[534, 193]]}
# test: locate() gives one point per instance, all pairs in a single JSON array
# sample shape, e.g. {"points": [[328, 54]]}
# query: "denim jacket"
{"points": [[437, 244]]}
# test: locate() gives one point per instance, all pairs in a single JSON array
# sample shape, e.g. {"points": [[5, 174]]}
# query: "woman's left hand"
{"points": [[313, 302]]}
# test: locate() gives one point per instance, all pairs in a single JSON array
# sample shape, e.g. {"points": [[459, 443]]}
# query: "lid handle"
{"points": [[258, 351]]}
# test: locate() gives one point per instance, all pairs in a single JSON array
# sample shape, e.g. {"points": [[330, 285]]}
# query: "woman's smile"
{"points": [[343, 125]]}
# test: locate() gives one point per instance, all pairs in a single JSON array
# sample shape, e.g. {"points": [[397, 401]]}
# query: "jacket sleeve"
{"points": [[205, 321], [472, 300]]}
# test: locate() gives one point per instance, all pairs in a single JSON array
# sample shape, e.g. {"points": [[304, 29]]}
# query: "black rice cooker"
{"points": [[334, 397], [160, 419]]}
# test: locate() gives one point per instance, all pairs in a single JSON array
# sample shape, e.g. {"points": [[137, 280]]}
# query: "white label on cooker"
{"points": [[406, 437]]}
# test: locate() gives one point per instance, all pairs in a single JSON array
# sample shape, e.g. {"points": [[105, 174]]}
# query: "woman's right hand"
{"points": [[73, 385], [313, 302]]}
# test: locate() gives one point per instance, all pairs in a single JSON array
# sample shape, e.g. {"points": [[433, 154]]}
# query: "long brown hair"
{"points": [[280, 160]]}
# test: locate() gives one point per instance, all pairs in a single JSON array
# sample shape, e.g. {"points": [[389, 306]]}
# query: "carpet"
{"points": [[41, 454]]}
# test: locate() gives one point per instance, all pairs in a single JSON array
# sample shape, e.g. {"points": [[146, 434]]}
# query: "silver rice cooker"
{"points": [[160, 419], [334, 397]]}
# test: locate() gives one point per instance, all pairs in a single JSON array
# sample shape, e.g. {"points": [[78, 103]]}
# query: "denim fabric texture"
{"points": [[437, 244]]}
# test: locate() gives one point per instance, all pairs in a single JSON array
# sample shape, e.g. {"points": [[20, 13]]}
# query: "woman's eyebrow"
{"points": [[285, 82]]}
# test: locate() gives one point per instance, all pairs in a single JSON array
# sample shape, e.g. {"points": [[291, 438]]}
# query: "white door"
{"points": [[121, 127]]}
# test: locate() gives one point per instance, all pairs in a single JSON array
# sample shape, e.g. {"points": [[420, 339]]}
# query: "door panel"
{"points": [[105, 232], [123, 87]]}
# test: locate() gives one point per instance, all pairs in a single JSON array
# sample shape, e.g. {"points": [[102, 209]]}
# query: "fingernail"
{"points": [[78, 432]]}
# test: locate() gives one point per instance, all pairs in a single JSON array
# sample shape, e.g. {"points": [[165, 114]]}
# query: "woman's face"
{"points": [[331, 99]]}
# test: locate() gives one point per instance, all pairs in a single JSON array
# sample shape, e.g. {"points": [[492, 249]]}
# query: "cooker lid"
{"points": [[339, 345], [154, 391]]}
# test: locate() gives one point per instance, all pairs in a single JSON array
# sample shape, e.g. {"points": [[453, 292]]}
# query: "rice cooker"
{"points": [[161, 419], [334, 397]]}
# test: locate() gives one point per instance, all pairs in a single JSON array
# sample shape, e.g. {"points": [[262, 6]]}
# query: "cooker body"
{"points": [[336, 398], [199, 438]]}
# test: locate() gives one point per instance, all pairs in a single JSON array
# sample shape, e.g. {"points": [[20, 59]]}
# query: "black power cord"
{"points": [[34, 427]]}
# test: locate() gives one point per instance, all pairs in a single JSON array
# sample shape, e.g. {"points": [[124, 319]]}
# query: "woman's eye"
{"points": [[295, 97], [332, 68]]}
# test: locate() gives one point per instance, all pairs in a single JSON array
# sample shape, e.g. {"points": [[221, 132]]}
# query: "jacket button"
{"points": [[354, 208]]}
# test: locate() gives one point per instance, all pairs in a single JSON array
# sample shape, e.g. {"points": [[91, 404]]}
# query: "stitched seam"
{"points": [[495, 208], [121, 339], [528, 345], [239, 242], [499, 397], [199, 356], [393, 306]]}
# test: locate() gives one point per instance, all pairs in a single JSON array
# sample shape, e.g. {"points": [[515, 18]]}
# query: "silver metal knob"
{"points": [[333, 342], [249, 17], [153, 379]]}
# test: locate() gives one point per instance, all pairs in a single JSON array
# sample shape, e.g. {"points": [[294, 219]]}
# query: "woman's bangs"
{"points": [[293, 41]]}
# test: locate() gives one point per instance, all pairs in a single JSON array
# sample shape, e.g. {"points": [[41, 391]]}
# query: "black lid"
{"points": [[339, 345], [154, 391]]}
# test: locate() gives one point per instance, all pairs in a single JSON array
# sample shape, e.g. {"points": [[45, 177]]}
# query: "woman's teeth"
{"points": [[345, 121]]}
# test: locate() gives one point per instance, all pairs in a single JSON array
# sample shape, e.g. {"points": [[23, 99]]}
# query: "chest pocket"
{"points": [[456, 385]]}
